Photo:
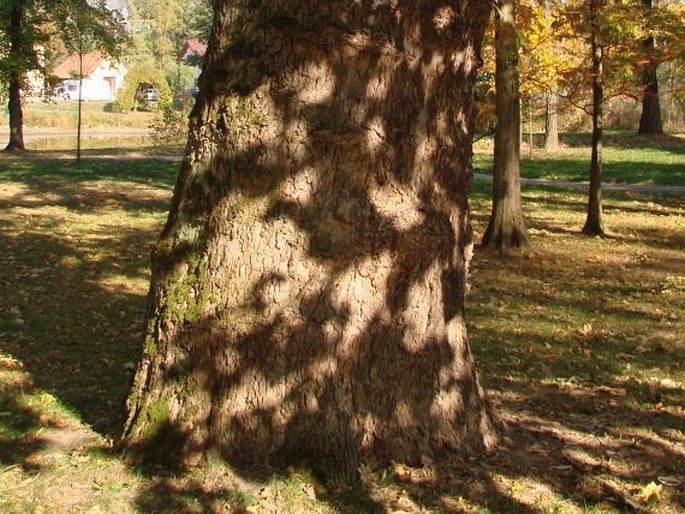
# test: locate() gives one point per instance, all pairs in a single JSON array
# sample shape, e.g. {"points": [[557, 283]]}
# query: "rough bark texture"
{"points": [[308, 289], [506, 228], [16, 115], [551, 122], [650, 120], [593, 222]]}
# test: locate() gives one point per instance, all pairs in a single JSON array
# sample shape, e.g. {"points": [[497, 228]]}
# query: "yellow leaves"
{"points": [[650, 493], [544, 55], [47, 399], [585, 330], [424, 475]]}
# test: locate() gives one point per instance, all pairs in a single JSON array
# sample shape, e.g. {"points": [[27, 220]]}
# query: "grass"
{"points": [[578, 341], [627, 158], [63, 116]]}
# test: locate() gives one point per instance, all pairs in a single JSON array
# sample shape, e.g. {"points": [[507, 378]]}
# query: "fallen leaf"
{"points": [[585, 330], [649, 493]]}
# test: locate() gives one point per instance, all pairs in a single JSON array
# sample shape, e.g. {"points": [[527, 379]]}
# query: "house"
{"points": [[102, 77], [192, 51]]}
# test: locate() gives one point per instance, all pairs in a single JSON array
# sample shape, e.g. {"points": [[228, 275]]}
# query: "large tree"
{"points": [[307, 296], [506, 227]]}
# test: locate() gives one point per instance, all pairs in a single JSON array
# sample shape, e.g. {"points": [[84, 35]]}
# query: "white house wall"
{"points": [[96, 86]]}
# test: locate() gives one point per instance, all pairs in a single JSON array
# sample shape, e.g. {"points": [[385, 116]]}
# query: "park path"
{"points": [[608, 186]]}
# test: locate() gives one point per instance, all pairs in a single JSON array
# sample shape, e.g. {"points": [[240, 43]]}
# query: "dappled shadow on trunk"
{"points": [[307, 296]]}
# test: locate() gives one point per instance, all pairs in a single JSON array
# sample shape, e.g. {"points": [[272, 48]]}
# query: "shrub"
{"points": [[171, 126]]}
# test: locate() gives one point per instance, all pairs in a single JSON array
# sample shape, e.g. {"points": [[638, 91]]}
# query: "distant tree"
{"points": [[161, 27], [307, 294], [610, 31], [198, 18], [84, 28], [506, 227], [663, 41], [142, 73], [593, 222], [20, 34], [650, 119], [551, 95], [26, 26]]}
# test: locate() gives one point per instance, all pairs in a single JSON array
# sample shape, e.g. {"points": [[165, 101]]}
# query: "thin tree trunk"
{"points": [[307, 295], [80, 106], [593, 223], [551, 122], [506, 227], [16, 114], [650, 120], [531, 142], [551, 108]]}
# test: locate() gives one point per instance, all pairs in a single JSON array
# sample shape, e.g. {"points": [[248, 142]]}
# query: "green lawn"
{"points": [[578, 342], [627, 158]]}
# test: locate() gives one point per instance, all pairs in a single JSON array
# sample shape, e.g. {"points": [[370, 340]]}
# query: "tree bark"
{"points": [[551, 122], [307, 296], [650, 120], [593, 223], [506, 227], [16, 115]]}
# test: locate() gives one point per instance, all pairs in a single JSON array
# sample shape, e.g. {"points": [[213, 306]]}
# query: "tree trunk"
{"points": [[551, 107], [531, 141], [16, 115], [650, 120], [506, 228], [80, 106], [307, 295], [593, 223], [551, 122]]}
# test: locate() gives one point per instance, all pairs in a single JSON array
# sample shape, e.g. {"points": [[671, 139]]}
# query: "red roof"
{"points": [[70, 68], [193, 46]]}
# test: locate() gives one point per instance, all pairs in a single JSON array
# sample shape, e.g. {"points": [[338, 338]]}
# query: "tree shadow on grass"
{"points": [[75, 296], [42, 174], [668, 142]]}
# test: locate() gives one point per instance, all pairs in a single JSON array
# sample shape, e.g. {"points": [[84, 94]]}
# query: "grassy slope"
{"points": [[63, 116], [579, 342]]}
